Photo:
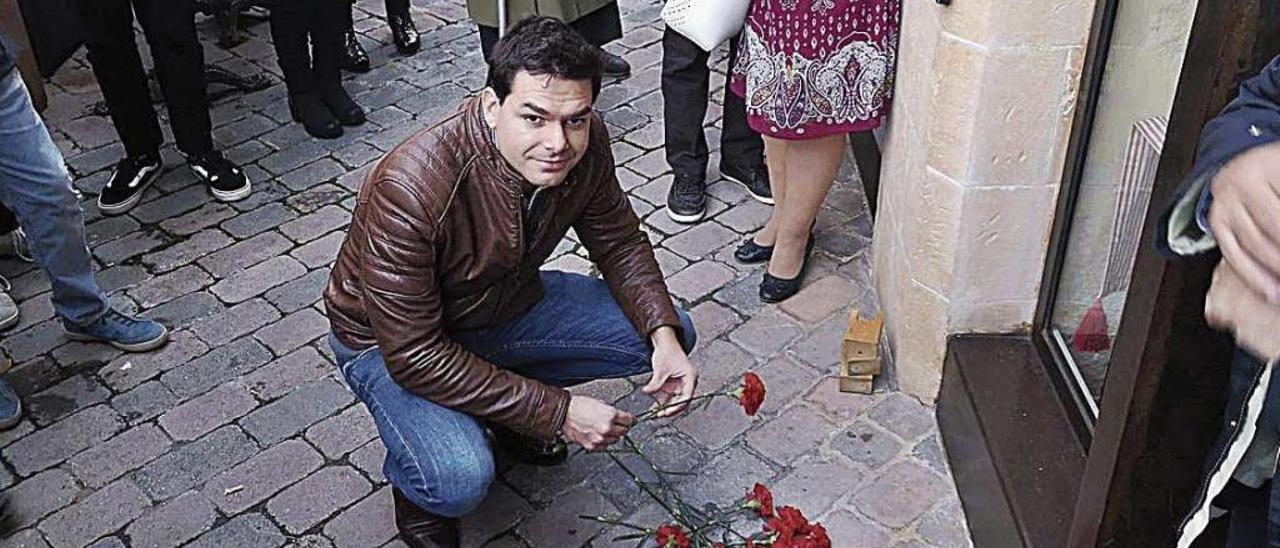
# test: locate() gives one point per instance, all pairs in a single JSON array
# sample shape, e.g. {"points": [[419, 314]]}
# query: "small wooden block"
{"points": [[861, 340], [861, 367], [859, 384]]}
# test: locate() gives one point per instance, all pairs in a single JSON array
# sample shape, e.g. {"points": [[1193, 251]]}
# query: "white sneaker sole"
{"points": [[686, 219], [762, 199], [234, 195], [134, 347], [6, 323], [126, 205]]}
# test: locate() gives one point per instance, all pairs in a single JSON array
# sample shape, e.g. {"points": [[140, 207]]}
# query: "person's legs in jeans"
{"points": [[170, 28], [113, 53]]}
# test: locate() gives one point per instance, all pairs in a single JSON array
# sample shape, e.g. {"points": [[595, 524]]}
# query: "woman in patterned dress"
{"points": [[811, 71]]}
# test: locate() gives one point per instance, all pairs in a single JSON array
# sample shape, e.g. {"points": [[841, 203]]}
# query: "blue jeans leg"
{"points": [[34, 184]]}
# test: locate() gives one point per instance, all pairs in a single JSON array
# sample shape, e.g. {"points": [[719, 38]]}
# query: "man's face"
{"points": [[543, 125]]}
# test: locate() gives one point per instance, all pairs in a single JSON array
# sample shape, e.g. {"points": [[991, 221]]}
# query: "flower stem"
{"points": [[662, 408]]}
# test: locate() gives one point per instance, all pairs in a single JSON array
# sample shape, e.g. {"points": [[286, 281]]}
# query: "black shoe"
{"points": [[309, 108], [751, 252], [354, 58], [422, 529], [754, 179], [403, 33], [127, 184], [343, 108], [687, 199], [529, 450], [226, 182], [614, 66], [775, 290]]}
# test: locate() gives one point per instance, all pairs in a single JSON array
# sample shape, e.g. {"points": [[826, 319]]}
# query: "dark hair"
{"points": [[543, 46]]}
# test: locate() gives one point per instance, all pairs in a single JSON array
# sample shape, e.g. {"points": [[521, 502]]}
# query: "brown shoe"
{"points": [[422, 529]]}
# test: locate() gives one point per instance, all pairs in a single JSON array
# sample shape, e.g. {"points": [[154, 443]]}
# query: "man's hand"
{"points": [[594, 424], [1245, 218], [1233, 306], [674, 377]]}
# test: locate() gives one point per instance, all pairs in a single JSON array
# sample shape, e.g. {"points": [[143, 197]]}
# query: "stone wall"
{"points": [[973, 157]]}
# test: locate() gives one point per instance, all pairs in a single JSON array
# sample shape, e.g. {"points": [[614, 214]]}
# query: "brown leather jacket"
{"points": [[437, 245]]}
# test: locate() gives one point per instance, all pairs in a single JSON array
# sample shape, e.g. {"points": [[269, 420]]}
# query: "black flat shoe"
{"points": [[751, 252], [404, 34], [530, 450], [342, 106], [775, 290], [354, 58], [309, 108], [421, 529]]}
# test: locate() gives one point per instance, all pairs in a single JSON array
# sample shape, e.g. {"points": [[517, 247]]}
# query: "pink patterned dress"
{"points": [[810, 68]]}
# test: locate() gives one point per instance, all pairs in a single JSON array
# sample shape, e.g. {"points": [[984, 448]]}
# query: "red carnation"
{"points": [[819, 535], [760, 500], [793, 520], [751, 393], [672, 536]]}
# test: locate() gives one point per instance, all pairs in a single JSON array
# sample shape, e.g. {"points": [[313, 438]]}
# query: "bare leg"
{"points": [[775, 152], [811, 167]]}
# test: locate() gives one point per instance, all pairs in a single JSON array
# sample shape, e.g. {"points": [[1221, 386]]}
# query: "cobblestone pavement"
{"points": [[239, 433]]}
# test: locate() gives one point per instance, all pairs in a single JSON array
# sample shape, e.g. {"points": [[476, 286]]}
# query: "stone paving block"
{"points": [[120, 277], [322, 252], [544, 484], [903, 492], [716, 425], [720, 363], [571, 263], [250, 283], [656, 191], [262, 476], [171, 205], [265, 190], [606, 390], [130, 370], [184, 311], [747, 217], [259, 220], [314, 499], [109, 229], [904, 416], [820, 299], [51, 446], [848, 529], [162, 289], [16, 433], [99, 465], [34, 376], [726, 477], [712, 319], [699, 280], [41, 339], [344, 432], [29, 538], [284, 374], [944, 526], [369, 522], [205, 217], [192, 464], [559, 525], [222, 364], [316, 224], [39, 496], [245, 254], [235, 322], [65, 398], [293, 157], [312, 199], [499, 512], [930, 452], [109, 542], [315, 173], [357, 154], [207, 412], [795, 432], [838, 406], [786, 380], [766, 334], [816, 484], [98, 514], [743, 294], [247, 530], [96, 159], [291, 414], [299, 293], [172, 523], [867, 445], [369, 460], [148, 401], [310, 541], [31, 312], [669, 452], [821, 346], [187, 251], [34, 282], [293, 331]]}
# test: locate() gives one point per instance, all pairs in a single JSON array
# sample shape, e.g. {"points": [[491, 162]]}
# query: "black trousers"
{"points": [[8, 222], [308, 40], [170, 29], [598, 28], [393, 6], [686, 80]]}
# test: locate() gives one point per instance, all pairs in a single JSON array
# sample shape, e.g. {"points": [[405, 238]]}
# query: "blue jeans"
{"points": [[34, 185], [438, 457]]}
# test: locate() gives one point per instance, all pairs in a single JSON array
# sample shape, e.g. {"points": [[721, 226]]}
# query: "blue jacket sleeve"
{"points": [[1252, 119]]}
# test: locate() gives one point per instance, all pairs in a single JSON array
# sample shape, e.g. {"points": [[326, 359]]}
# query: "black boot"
{"points": [[529, 450], [354, 58], [309, 108], [403, 33], [422, 529], [342, 106]]}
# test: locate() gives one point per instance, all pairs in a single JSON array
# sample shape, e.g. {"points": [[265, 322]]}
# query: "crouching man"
{"points": [[444, 325]]}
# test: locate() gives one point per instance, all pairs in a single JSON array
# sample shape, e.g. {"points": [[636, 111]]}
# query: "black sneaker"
{"points": [[754, 179], [687, 199], [225, 180], [127, 184]]}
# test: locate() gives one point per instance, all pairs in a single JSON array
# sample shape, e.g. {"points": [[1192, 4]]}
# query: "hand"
{"points": [[674, 376], [594, 424], [1245, 218], [1232, 306]]}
